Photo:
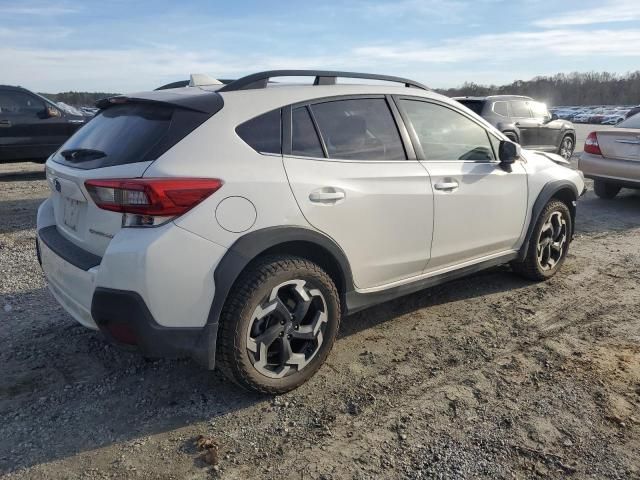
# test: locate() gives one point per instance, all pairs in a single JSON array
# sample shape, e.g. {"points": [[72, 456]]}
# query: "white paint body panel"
{"points": [[385, 222]]}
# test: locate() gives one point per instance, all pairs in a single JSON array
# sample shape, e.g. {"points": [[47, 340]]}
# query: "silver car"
{"points": [[612, 158]]}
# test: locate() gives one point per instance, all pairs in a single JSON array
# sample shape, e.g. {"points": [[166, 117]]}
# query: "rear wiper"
{"points": [[76, 154]]}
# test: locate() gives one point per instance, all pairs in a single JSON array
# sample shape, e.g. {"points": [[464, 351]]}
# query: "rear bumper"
{"points": [[622, 172], [158, 283]]}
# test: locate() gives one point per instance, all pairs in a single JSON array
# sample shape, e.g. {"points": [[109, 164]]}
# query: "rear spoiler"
{"points": [[194, 99]]}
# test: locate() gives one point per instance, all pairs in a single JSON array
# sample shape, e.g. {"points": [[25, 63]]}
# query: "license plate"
{"points": [[71, 212]]}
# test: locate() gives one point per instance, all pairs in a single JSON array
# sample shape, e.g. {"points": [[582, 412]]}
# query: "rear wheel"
{"points": [[548, 244], [566, 147], [606, 190], [278, 325]]}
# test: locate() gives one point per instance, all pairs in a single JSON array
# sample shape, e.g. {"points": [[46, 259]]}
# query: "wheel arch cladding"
{"points": [[299, 241], [562, 190]]}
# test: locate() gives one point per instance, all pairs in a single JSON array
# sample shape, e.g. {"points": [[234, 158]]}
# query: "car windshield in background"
{"points": [[118, 135], [474, 105], [631, 122]]}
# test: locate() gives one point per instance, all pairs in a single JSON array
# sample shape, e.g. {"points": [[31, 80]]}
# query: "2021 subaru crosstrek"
{"points": [[238, 224]]}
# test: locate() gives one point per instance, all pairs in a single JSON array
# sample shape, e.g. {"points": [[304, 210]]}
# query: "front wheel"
{"points": [[548, 244], [566, 147], [278, 324]]}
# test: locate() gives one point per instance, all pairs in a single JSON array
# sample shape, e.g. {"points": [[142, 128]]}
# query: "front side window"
{"points": [[520, 109], [359, 129], [304, 138], [20, 103], [262, 133], [445, 134]]}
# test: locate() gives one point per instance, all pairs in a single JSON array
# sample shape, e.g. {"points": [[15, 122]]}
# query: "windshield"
{"points": [[631, 122], [121, 134]]}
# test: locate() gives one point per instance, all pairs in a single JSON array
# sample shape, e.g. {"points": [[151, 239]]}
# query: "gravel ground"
{"points": [[486, 377]]}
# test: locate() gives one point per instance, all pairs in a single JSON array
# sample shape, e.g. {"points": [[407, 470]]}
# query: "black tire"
{"points": [[566, 147], [513, 136], [254, 289], [531, 266], [605, 190]]}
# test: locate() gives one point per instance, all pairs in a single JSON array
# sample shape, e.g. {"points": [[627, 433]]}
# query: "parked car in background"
{"points": [[612, 158], [613, 119], [526, 122], [31, 126], [633, 111], [226, 222]]}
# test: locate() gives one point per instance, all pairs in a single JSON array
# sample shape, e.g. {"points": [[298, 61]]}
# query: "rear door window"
{"points": [[304, 138], [520, 109], [501, 108], [263, 133], [359, 129]]}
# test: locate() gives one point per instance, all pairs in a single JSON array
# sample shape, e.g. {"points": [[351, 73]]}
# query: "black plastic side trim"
{"points": [[547, 192], [359, 301], [111, 306], [71, 253], [615, 181], [248, 247]]}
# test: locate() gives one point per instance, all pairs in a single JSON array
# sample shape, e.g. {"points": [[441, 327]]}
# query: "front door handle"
{"points": [[5, 123], [446, 186], [327, 195]]}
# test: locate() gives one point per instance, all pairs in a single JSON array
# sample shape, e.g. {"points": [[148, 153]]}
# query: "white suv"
{"points": [[237, 224]]}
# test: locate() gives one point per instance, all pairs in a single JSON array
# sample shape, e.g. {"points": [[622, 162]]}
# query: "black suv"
{"points": [[526, 122], [31, 126]]}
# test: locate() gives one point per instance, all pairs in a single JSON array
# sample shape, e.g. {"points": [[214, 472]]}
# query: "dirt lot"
{"points": [[491, 376]]}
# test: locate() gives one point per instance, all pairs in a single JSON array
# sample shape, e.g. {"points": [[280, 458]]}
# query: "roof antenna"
{"points": [[201, 80]]}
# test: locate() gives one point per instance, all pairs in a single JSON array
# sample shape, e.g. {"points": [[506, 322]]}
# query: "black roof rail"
{"points": [[323, 77]]}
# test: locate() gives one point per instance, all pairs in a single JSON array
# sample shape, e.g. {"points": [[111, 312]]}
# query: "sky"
{"points": [[123, 46]]}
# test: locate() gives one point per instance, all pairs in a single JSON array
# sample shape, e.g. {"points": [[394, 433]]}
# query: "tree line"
{"points": [[591, 88]]}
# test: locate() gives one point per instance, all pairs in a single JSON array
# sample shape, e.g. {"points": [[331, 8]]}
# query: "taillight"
{"points": [[150, 201], [591, 144]]}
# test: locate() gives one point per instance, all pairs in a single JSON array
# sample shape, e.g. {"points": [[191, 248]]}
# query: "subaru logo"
{"points": [[56, 183]]}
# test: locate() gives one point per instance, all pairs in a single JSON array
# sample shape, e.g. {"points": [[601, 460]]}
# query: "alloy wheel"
{"points": [[566, 149], [286, 329], [552, 241]]}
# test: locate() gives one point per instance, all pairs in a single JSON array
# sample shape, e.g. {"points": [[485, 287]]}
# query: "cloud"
{"points": [[497, 48], [609, 11], [43, 9]]}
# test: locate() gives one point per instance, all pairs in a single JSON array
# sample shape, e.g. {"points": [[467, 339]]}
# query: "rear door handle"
{"points": [[5, 123], [327, 195], [446, 186]]}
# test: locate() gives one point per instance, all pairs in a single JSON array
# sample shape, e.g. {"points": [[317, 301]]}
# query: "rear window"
{"points": [[128, 133], [263, 133], [631, 122], [475, 106]]}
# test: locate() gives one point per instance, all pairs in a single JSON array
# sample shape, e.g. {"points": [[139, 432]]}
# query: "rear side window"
{"points": [[359, 129], [128, 133], [304, 138], [520, 109], [501, 108], [263, 133], [445, 134], [476, 106]]}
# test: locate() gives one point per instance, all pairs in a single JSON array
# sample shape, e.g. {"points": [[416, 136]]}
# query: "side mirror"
{"points": [[52, 112], [508, 152]]}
